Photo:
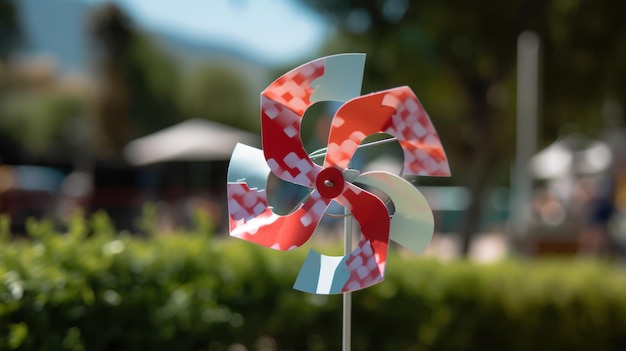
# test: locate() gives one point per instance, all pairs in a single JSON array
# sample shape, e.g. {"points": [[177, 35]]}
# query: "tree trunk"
{"points": [[481, 162]]}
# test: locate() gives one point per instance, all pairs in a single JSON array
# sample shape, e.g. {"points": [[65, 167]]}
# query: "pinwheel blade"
{"points": [[412, 224], [396, 112], [251, 219], [342, 78], [284, 102], [322, 274], [248, 165], [365, 265]]}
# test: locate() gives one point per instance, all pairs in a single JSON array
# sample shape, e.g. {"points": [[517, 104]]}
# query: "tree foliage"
{"points": [[217, 93], [143, 90], [460, 58], [89, 288], [138, 81], [9, 28], [48, 115]]}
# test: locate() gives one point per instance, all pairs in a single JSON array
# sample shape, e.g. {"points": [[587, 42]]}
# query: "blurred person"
{"points": [[548, 207], [615, 137], [594, 238], [608, 185], [618, 222]]}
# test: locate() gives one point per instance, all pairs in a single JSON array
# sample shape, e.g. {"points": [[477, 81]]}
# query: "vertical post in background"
{"points": [[528, 46], [347, 297]]}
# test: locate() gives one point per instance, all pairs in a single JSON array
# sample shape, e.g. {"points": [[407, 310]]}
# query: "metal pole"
{"points": [[347, 297], [528, 46]]}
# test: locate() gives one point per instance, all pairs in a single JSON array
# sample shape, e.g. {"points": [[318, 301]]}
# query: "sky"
{"points": [[275, 31]]}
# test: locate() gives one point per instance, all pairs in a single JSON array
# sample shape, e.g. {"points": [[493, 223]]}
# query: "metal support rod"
{"points": [[347, 297]]}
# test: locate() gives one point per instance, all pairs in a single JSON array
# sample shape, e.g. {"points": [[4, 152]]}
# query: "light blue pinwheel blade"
{"points": [[412, 224], [343, 75], [321, 274], [247, 164]]}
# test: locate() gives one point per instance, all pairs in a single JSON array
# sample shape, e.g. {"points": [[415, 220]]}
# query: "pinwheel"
{"points": [[396, 112]]}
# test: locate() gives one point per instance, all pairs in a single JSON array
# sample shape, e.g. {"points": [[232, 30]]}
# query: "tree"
{"points": [[9, 28], [137, 94], [47, 115], [40, 103], [215, 92], [460, 58], [113, 34]]}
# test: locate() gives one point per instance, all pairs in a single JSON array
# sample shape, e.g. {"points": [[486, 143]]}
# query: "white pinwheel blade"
{"points": [[248, 165], [412, 224], [343, 75], [321, 274]]}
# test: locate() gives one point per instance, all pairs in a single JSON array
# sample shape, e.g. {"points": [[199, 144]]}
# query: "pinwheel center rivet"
{"points": [[330, 182]]}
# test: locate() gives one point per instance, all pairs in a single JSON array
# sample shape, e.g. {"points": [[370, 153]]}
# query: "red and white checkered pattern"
{"points": [[367, 262], [396, 112], [251, 218], [282, 145], [364, 266], [423, 152], [293, 90], [245, 204], [283, 104]]}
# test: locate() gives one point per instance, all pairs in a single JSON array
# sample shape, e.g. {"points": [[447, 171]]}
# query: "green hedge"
{"points": [[91, 288]]}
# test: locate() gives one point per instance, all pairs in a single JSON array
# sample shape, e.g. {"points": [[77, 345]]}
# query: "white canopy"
{"points": [[574, 154], [191, 140]]}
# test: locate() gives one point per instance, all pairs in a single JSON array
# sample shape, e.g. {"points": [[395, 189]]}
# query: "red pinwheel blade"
{"points": [[365, 265], [371, 214], [251, 219], [283, 105], [397, 112]]}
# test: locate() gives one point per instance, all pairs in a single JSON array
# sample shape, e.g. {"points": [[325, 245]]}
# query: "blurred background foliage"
{"points": [[90, 288], [138, 89], [93, 286], [216, 93], [459, 58], [142, 91], [119, 59], [48, 115]]}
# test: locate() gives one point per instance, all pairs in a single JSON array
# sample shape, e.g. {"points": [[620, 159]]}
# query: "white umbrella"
{"points": [[191, 140], [573, 154], [552, 162]]}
